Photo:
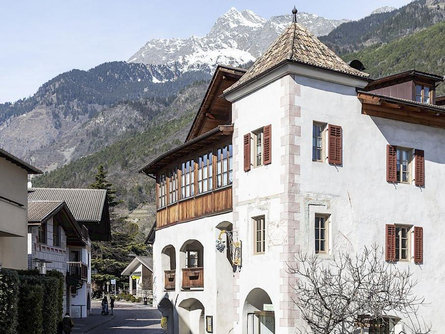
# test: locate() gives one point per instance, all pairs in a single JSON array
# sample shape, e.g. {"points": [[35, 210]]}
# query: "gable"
{"points": [[215, 109]]}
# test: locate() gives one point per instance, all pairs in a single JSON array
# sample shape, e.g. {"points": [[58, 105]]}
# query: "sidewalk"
{"points": [[95, 319]]}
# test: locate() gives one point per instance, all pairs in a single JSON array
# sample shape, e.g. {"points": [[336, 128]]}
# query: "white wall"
{"points": [[217, 272], [357, 195], [57, 256], [258, 192], [13, 218]]}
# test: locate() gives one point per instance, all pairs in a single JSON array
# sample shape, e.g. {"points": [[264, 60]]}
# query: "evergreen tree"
{"points": [[101, 182], [109, 259]]}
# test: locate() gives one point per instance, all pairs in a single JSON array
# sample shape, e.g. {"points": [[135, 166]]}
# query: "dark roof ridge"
{"points": [[26, 166]]}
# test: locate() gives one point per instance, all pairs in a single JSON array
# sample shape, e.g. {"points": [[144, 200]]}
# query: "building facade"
{"points": [[88, 210], [58, 242], [301, 153], [140, 276], [13, 210]]}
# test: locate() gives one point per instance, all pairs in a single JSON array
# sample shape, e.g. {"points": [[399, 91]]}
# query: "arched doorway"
{"points": [[191, 317], [166, 308], [168, 260], [258, 314]]}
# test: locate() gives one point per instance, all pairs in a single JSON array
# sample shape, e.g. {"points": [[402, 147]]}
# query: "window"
{"points": [[205, 173], [162, 196], [259, 234], [192, 259], [188, 179], [423, 94], [403, 243], [173, 187], [258, 147], [318, 142], [42, 233], [321, 234], [224, 166], [56, 233], [384, 325], [404, 157]]}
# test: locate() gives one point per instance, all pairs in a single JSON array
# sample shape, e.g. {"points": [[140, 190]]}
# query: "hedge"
{"points": [[9, 284], [30, 306], [60, 285], [30, 303], [50, 298]]}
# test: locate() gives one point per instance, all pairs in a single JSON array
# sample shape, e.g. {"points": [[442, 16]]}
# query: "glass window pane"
{"points": [[426, 94]]}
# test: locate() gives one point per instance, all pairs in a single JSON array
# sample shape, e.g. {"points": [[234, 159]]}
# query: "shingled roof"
{"points": [[88, 206], [85, 204], [298, 45], [38, 211]]}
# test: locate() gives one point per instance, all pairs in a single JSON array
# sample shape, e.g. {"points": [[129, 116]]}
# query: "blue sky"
{"points": [[41, 39]]}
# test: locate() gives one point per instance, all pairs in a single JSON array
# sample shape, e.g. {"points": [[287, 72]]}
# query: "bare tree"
{"points": [[346, 292]]}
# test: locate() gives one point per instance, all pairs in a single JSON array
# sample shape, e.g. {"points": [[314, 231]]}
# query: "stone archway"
{"points": [[258, 313], [191, 317]]}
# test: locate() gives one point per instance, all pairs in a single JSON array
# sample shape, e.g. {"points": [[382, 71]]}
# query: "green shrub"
{"points": [[30, 306], [50, 301], [50, 310], [60, 285], [9, 286]]}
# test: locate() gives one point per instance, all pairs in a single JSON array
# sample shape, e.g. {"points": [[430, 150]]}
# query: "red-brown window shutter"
{"points": [[418, 245], [267, 144], [335, 144], [419, 174], [247, 152], [390, 253], [391, 163]]}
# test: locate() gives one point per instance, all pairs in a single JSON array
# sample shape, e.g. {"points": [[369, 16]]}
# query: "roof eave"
{"points": [[231, 90], [219, 128], [30, 169]]}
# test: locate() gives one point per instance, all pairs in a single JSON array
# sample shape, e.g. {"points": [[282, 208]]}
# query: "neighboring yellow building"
{"points": [[13, 210]]}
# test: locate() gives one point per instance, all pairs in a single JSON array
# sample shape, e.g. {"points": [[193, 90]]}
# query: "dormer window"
{"points": [[423, 93]]}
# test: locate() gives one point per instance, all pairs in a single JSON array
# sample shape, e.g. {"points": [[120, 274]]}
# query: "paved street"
{"points": [[127, 318]]}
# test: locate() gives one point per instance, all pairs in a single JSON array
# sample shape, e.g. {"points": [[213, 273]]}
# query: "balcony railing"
{"points": [[170, 279], [192, 278], [78, 270]]}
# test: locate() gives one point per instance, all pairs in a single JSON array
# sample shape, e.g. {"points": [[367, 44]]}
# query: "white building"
{"points": [[300, 150], [13, 210], [88, 210], [140, 276], [58, 242]]}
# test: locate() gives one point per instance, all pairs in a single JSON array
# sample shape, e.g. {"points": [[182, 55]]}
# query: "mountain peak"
{"points": [[384, 9]]}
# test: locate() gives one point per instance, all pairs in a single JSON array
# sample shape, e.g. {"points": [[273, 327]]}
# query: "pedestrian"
{"points": [[105, 306], [112, 304], [67, 323]]}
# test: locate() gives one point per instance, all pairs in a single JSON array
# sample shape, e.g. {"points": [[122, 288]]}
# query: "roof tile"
{"points": [[298, 45]]}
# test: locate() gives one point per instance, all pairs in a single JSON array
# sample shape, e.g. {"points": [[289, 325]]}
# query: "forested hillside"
{"points": [[126, 156], [385, 27], [423, 51]]}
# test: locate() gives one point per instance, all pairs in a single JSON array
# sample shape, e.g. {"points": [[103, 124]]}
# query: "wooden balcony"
{"points": [[78, 270], [170, 280], [216, 201], [192, 278]]}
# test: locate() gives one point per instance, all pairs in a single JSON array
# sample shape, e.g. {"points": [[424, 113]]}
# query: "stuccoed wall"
{"points": [[357, 195], [13, 218], [217, 270]]}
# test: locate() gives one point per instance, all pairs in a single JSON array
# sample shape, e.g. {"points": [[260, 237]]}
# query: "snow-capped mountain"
{"points": [[385, 9], [236, 39]]}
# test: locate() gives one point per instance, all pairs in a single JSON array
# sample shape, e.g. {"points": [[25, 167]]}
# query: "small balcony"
{"points": [[78, 270], [170, 279], [193, 278]]}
